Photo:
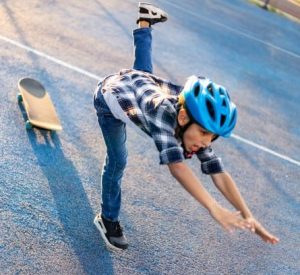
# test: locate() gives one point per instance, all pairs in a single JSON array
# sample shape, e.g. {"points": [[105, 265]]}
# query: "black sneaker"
{"points": [[151, 13], [111, 233]]}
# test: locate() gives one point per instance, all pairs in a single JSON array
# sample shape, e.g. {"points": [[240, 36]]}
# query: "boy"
{"points": [[182, 121]]}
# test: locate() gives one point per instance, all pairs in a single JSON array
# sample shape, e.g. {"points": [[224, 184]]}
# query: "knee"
{"points": [[120, 164], [116, 165]]}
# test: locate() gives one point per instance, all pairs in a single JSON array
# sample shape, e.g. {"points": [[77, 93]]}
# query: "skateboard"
{"points": [[38, 105]]}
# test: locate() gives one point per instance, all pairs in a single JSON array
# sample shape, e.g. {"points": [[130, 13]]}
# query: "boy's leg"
{"points": [[114, 133], [148, 15], [143, 49]]}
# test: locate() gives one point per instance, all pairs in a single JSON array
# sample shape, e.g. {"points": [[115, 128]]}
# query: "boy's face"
{"points": [[195, 137]]}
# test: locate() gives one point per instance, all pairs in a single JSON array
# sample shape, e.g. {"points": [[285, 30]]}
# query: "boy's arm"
{"points": [[228, 188], [185, 176]]}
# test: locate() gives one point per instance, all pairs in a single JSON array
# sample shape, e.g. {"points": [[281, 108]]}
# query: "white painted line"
{"points": [[91, 75], [51, 58], [236, 31], [265, 149]]}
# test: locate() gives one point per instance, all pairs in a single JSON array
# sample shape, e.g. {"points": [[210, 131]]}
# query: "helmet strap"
{"points": [[181, 129], [179, 132]]}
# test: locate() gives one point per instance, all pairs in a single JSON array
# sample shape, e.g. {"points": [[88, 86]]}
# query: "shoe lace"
{"points": [[116, 229], [119, 229]]}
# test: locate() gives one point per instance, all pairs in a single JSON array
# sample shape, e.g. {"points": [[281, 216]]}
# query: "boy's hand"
{"points": [[257, 228], [229, 220]]}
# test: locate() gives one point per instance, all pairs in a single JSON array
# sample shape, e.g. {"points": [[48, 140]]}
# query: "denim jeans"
{"points": [[114, 133]]}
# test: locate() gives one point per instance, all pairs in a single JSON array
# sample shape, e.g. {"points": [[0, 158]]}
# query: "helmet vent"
{"points": [[197, 90], [224, 104], [210, 109], [232, 118], [223, 119], [210, 89]]}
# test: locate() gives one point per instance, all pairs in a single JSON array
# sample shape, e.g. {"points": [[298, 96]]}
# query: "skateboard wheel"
{"points": [[20, 98], [28, 125]]}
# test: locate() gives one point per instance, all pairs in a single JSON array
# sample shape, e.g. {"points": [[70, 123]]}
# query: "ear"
{"points": [[183, 117]]}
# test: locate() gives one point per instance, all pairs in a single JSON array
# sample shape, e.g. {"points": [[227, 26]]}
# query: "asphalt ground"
{"points": [[50, 182]]}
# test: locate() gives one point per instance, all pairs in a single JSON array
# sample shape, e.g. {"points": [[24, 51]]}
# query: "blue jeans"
{"points": [[114, 133]]}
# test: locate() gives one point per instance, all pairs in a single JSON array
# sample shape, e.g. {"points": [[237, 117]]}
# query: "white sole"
{"points": [[102, 233]]}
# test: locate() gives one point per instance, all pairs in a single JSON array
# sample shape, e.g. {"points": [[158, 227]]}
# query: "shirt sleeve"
{"points": [[162, 123], [210, 163]]}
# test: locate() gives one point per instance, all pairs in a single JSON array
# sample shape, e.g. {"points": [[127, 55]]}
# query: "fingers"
{"points": [[252, 227], [235, 221], [252, 224], [265, 235], [270, 239], [242, 223], [274, 240]]}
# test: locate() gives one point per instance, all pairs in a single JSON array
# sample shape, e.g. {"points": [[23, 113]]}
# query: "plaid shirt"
{"points": [[150, 103]]}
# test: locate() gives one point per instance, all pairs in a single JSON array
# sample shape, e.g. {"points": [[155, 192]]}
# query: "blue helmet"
{"points": [[209, 105]]}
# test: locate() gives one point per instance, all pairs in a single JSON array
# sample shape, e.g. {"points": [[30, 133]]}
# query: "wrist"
{"points": [[246, 214], [213, 206]]}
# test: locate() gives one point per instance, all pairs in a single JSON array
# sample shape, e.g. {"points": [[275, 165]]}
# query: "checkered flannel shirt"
{"points": [[150, 103]]}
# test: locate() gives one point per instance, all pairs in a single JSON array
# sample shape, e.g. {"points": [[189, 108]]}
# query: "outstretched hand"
{"points": [[257, 228], [229, 220]]}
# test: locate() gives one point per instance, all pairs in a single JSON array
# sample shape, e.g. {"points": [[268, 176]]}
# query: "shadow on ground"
{"points": [[73, 208]]}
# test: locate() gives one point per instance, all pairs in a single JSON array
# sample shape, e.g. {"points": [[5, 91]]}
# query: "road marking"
{"points": [[265, 149], [236, 31], [91, 75], [51, 58]]}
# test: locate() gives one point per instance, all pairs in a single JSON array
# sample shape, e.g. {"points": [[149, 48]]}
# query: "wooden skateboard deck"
{"points": [[38, 105]]}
